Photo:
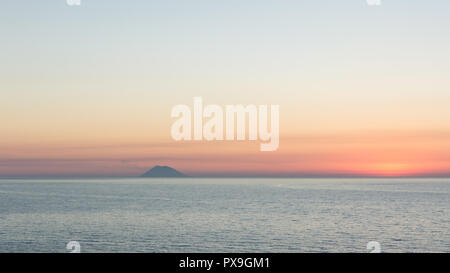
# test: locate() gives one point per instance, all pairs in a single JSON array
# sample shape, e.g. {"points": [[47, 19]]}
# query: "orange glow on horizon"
{"points": [[376, 154]]}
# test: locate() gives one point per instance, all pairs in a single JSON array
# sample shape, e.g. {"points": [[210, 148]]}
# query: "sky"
{"points": [[88, 90]]}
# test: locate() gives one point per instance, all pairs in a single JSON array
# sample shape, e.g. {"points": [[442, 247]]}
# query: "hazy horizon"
{"points": [[225, 175]]}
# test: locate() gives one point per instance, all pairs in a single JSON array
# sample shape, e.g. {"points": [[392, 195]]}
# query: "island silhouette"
{"points": [[163, 171]]}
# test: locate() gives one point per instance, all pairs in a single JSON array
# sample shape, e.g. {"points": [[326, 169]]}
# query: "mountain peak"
{"points": [[163, 171]]}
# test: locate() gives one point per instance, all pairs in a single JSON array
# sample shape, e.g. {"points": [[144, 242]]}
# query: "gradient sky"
{"points": [[87, 91]]}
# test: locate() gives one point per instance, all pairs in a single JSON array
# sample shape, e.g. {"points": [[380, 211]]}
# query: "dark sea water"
{"points": [[225, 215]]}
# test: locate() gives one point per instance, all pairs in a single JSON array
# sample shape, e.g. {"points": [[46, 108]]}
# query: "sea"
{"points": [[225, 215]]}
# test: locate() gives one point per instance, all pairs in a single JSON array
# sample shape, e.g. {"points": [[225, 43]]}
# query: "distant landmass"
{"points": [[163, 171]]}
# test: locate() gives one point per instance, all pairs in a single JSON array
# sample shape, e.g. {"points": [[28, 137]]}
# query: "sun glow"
{"points": [[391, 169]]}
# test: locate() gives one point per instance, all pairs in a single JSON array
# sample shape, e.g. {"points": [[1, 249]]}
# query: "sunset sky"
{"points": [[88, 90]]}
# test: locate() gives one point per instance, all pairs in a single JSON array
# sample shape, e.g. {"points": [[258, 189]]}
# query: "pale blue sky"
{"points": [[106, 53], [109, 71]]}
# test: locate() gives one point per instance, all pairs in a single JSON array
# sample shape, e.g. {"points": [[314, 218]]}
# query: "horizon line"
{"points": [[225, 176]]}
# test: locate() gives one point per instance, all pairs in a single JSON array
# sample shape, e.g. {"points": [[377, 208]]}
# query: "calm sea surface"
{"points": [[225, 215]]}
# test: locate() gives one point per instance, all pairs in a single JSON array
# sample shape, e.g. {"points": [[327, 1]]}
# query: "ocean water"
{"points": [[225, 215]]}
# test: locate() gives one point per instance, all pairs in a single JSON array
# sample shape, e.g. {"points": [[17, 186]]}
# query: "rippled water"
{"points": [[225, 215]]}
